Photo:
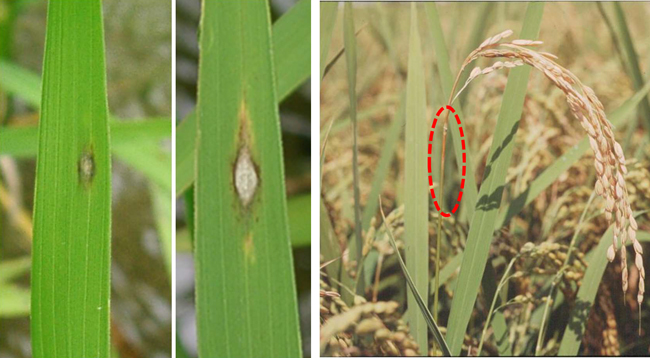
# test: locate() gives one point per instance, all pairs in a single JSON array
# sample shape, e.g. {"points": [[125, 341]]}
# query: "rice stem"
{"points": [[502, 283]]}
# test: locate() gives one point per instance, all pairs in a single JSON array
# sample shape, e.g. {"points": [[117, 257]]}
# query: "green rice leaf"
{"points": [[470, 193], [484, 219], [292, 39], [634, 68], [150, 159], [185, 153], [351, 61], [388, 150], [416, 188], [72, 206], [21, 82], [245, 290], [446, 272], [162, 206]]}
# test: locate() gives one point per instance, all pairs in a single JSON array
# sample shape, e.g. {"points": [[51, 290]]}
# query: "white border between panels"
{"points": [[315, 175]]}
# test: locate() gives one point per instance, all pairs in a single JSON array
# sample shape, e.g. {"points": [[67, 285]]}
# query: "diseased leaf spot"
{"points": [[246, 180], [86, 168]]}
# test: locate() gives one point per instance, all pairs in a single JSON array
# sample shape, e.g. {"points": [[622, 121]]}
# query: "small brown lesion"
{"points": [[86, 167]]}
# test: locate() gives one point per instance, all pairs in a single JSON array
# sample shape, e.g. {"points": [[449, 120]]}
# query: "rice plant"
{"points": [[239, 166], [544, 253], [91, 191]]}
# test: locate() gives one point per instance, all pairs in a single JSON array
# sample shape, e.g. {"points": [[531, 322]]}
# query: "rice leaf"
{"points": [[384, 32], [341, 124], [150, 159], [424, 311], [328, 12], [572, 338], [470, 192], [446, 272], [72, 205], [188, 196], [484, 219], [498, 322], [245, 289], [162, 206], [21, 82], [416, 188], [351, 61], [633, 67], [292, 39], [388, 150], [185, 153], [287, 30]]}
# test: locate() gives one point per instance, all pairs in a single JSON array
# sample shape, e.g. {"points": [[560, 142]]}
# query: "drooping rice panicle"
{"points": [[586, 107]]}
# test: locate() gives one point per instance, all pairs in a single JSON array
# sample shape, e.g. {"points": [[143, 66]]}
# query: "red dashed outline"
{"points": [[463, 168]]}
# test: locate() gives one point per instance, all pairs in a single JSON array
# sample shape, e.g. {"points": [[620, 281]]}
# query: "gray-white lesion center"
{"points": [[246, 180], [86, 167]]}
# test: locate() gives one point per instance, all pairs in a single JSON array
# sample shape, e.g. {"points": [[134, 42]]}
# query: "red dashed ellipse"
{"points": [[464, 158]]}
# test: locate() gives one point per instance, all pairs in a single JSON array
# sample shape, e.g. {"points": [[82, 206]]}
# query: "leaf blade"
{"points": [[416, 210], [350, 42], [71, 257], [484, 218], [393, 134], [241, 310]]}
